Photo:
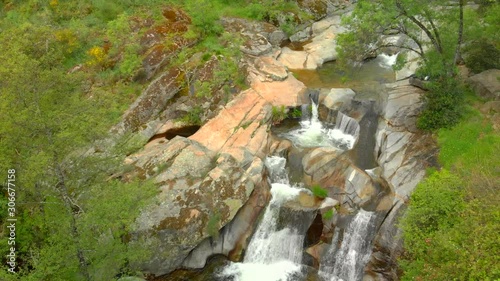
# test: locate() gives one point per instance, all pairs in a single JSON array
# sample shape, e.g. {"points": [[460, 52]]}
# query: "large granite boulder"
{"points": [[403, 151], [196, 199], [333, 170], [486, 84], [320, 49]]}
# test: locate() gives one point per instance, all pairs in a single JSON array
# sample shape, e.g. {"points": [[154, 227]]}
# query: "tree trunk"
{"points": [[458, 55]]}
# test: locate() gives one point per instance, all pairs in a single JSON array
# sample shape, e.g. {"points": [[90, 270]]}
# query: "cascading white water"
{"points": [[347, 126], [312, 133], [276, 167], [386, 60], [273, 254], [354, 252]]}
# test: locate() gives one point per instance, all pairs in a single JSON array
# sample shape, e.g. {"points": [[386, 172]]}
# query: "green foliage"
{"points": [[328, 214], [74, 219], [481, 56], [443, 105], [451, 229], [319, 192], [295, 113], [193, 117], [278, 114], [205, 16]]}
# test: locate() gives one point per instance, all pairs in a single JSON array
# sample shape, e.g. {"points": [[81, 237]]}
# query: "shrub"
{"points": [[443, 105], [319, 192], [193, 116], [328, 214], [278, 114], [481, 56], [295, 113]]}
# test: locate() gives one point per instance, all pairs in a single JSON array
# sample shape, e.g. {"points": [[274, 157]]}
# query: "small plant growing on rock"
{"points": [[279, 114], [295, 113], [319, 192], [328, 214]]}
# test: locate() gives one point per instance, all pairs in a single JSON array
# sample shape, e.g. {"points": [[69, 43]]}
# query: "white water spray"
{"points": [[354, 252], [273, 254], [386, 60], [312, 133]]}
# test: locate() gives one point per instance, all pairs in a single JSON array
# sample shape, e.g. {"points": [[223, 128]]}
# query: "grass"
{"points": [[319, 192], [452, 220]]}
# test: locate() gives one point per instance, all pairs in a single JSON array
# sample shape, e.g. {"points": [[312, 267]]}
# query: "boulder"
{"points": [[337, 97], [255, 44], [332, 169], [486, 84], [296, 59], [271, 68], [403, 151], [237, 124], [151, 102], [323, 46], [317, 8], [255, 31], [196, 199]]}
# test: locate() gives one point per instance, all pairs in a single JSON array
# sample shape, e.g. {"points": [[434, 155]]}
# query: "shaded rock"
{"points": [[486, 84], [151, 102], [171, 129], [233, 237], [387, 247], [417, 82], [317, 8], [302, 35], [277, 38]]}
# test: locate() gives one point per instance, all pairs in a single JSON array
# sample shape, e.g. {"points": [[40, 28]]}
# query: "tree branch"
{"points": [[420, 25]]}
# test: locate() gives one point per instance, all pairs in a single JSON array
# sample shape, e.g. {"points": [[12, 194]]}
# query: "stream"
{"points": [[276, 251]]}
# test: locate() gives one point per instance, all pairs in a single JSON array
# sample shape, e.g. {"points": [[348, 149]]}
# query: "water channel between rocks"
{"points": [[276, 251]]}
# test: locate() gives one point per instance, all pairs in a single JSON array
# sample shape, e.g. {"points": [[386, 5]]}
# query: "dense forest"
{"points": [[70, 69]]}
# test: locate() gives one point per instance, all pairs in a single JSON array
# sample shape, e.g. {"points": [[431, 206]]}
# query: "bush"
{"points": [[193, 117], [443, 105], [319, 192], [481, 56], [278, 114], [328, 214]]}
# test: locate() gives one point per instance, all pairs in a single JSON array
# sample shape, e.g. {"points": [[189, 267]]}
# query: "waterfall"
{"points": [[347, 125], [354, 252], [386, 60], [277, 171], [314, 112], [274, 252], [312, 132]]}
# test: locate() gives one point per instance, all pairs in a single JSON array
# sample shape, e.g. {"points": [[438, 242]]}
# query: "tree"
{"points": [[47, 127], [424, 25]]}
